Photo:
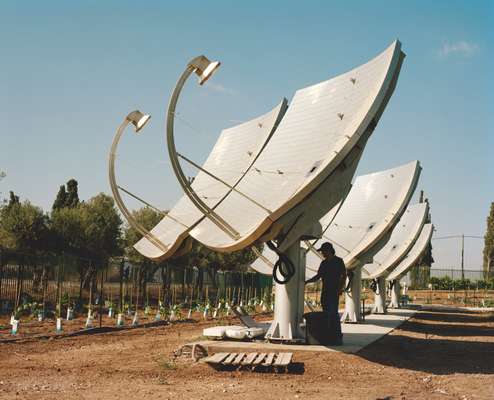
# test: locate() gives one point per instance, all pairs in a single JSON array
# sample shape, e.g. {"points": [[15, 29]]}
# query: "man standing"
{"points": [[333, 273]]}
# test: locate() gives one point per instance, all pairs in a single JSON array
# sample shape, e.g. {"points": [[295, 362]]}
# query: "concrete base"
{"points": [[380, 297], [353, 311], [355, 337]]}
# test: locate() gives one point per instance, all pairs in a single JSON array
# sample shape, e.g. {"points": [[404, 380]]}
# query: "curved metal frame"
{"points": [[135, 117], [201, 66]]}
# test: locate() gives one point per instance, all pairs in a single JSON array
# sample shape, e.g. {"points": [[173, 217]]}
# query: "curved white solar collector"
{"points": [[414, 255], [371, 209], [401, 241], [323, 124], [236, 149]]}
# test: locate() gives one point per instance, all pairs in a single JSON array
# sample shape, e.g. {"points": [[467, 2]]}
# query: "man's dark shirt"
{"points": [[331, 272]]}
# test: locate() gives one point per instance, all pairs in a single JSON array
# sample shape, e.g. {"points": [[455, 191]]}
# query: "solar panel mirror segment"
{"points": [[322, 126], [414, 255], [235, 150], [404, 235]]}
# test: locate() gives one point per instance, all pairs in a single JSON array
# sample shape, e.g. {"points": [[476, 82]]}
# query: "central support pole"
{"points": [[289, 301], [353, 311], [380, 297], [395, 294]]}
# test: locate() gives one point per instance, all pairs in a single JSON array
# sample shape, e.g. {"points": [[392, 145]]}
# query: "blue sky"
{"points": [[70, 71]]}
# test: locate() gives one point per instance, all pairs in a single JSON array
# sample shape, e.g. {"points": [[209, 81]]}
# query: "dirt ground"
{"points": [[436, 355]]}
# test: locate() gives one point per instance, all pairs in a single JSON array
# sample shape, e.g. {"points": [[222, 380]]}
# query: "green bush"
{"points": [[446, 283]]}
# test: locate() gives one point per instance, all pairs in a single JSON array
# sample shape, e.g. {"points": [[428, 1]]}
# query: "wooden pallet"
{"points": [[276, 361]]}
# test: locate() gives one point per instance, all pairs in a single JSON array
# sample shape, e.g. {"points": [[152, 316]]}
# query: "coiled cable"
{"points": [[284, 266]]}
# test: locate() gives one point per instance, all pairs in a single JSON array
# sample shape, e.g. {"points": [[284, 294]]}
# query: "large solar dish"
{"points": [[414, 255], [404, 235], [320, 128]]}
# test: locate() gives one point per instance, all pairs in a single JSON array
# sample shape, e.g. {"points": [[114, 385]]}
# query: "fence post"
{"points": [[1, 280], [101, 299], [121, 286]]}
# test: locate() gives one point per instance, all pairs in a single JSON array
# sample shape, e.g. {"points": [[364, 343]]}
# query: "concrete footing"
{"points": [[355, 337]]}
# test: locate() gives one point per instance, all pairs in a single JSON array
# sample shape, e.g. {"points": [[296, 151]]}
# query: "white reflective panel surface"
{"points": [[404, 235], [414, 255], [322, 124], [372, 208], [233, 153]]}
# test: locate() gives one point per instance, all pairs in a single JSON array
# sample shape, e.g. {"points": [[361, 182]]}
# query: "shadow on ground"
{"points": [[419, 344]]}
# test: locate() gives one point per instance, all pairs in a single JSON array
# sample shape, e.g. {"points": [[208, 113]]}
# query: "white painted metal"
{"points": [[322, 125], [236, 149], [289, 301], [404, 235], [413, 255], [353, 312], [380, 297], [395, 295]]}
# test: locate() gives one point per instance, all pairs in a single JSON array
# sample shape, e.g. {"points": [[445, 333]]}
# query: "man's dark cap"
{"points": [[326, 246]]}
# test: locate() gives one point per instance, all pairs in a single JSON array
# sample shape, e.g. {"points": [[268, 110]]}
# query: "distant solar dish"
{"points": [[371, 209], [411, 259], [292, 169], [402, 239], [414, 255]]}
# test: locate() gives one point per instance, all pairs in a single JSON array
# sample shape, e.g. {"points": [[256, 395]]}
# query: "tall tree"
{"points": [[67, 197], [23, 227], [72, 194], [61, 199], [102, 228], [13, 199], [489, 245]]}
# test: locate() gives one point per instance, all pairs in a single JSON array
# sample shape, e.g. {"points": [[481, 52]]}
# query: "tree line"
{"points": [[94, 230]]}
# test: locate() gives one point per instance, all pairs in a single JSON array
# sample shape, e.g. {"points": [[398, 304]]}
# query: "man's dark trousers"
{"points": [[330, 305]]}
